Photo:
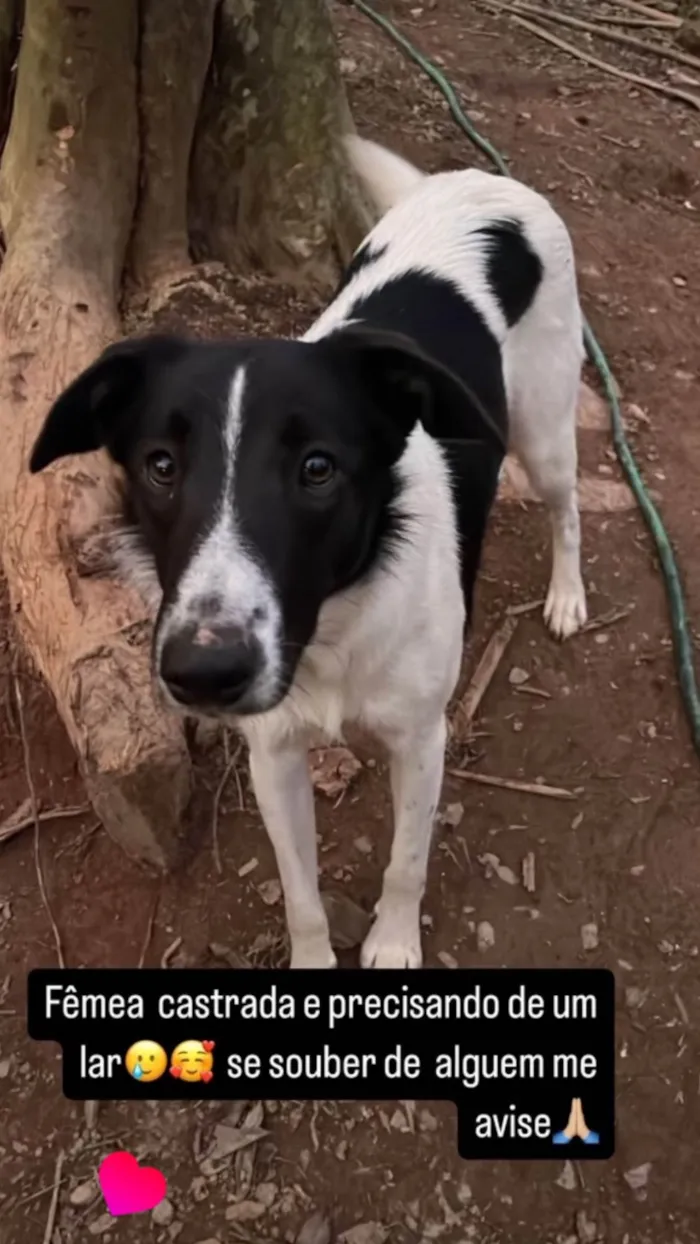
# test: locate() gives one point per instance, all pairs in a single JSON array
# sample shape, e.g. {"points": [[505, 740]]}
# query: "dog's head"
{"points": [[261, 479]]}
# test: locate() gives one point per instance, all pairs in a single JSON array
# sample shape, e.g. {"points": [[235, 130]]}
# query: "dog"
{"points": [[310, 513]]}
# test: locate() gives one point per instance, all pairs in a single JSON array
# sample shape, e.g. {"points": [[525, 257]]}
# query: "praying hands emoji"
{"points": [[576, 1127]]}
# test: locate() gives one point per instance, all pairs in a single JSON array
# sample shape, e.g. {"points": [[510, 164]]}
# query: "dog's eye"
{"points": [[318, 469], [161, 469]]}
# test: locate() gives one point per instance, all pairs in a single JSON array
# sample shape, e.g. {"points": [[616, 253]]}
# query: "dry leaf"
{"points": [[244, 1211], [316, 1230], [348, 923], [333, 769], [449, 960], [365, 1233], [638, 1177], [270, 892], [452, 815], [492, 864], [567, 1179]]}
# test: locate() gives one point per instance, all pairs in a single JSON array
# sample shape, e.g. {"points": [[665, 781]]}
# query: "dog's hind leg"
{"points": [[543, 395], [417, 765]]}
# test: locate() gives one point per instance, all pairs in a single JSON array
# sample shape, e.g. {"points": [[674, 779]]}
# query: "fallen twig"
{"points": [[538, 691], [607, 619], [169, 952], [650, 84], [647, 11], [525, 788], [23, 818], [481, 678], [53, 1205], [36, 821], [602, 32], [231, 762], [149, 931], [514, 611]]}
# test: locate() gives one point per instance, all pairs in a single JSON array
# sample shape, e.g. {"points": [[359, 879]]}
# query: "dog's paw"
{"points": [[393, 941], [313, 951], [565, 608]]}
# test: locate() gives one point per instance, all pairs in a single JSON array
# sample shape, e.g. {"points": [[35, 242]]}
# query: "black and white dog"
{"points": [[310, 513]]}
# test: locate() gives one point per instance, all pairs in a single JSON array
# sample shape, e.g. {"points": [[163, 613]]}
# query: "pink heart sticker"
{"points": [[129, 1188]]}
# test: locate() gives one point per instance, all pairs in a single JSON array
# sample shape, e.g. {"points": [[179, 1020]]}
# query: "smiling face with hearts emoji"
{"points": [[193, 1061]]}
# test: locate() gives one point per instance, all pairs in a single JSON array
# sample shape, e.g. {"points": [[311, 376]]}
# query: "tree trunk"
{"points": [[8, 33], [67, 193], [174, 60], [216, 134], [270, 183]]}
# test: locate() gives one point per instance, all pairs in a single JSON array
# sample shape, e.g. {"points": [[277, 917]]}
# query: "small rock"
{"points": [[270, 892], [638, 1177], [452, 815], [427, 1121], [589, 936], [527, 868], [464, 1193], [635, 997], [585, 1229], [485, 936], [101, 1224], [163, 1213], [248, 867], [449, 960], [5, 1067], [245, 1211], [266, 1194], [567, 1179], [84, 1193], [199, 1189], [517, 677], [365, 1233], [364, 845], [316, 1230], [341, 1150]]}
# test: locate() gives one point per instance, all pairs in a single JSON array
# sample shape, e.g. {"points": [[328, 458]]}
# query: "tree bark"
{"points": [[270, 183], [122, 142], [68, 184], [8, 31], [176, 47]]}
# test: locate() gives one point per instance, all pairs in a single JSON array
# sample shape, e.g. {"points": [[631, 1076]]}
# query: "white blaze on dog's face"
{"points": [[260, 478]]}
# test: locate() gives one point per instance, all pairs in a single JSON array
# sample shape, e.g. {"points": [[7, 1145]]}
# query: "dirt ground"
{"points": [[605, 721]]}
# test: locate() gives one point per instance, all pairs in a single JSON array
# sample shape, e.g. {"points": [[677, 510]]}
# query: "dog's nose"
{"points": [[212, 666]]}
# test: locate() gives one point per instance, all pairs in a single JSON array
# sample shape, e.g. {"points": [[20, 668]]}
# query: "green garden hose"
{"points": [[679, 622]]}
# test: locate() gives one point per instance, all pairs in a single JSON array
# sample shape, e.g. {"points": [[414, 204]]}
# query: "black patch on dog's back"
{"points": [[450, 329], [514, 270], [363, 257]]}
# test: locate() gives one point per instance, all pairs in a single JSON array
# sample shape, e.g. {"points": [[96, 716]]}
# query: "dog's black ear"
{"points": [[92, 411], [412, 387]]}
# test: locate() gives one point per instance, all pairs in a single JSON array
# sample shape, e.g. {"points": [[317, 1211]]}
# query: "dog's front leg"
{"points": [[284, 793], [417, 765]]}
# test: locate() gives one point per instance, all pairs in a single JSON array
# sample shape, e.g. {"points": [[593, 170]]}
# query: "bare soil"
{"points": [[623, 167]]}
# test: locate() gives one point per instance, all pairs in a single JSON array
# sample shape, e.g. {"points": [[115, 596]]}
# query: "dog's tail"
{"points": [[386, 177]]}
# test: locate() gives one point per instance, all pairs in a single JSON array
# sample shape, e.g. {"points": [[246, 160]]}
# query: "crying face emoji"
{"points": [[193, 1061], [146, 1061]]}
